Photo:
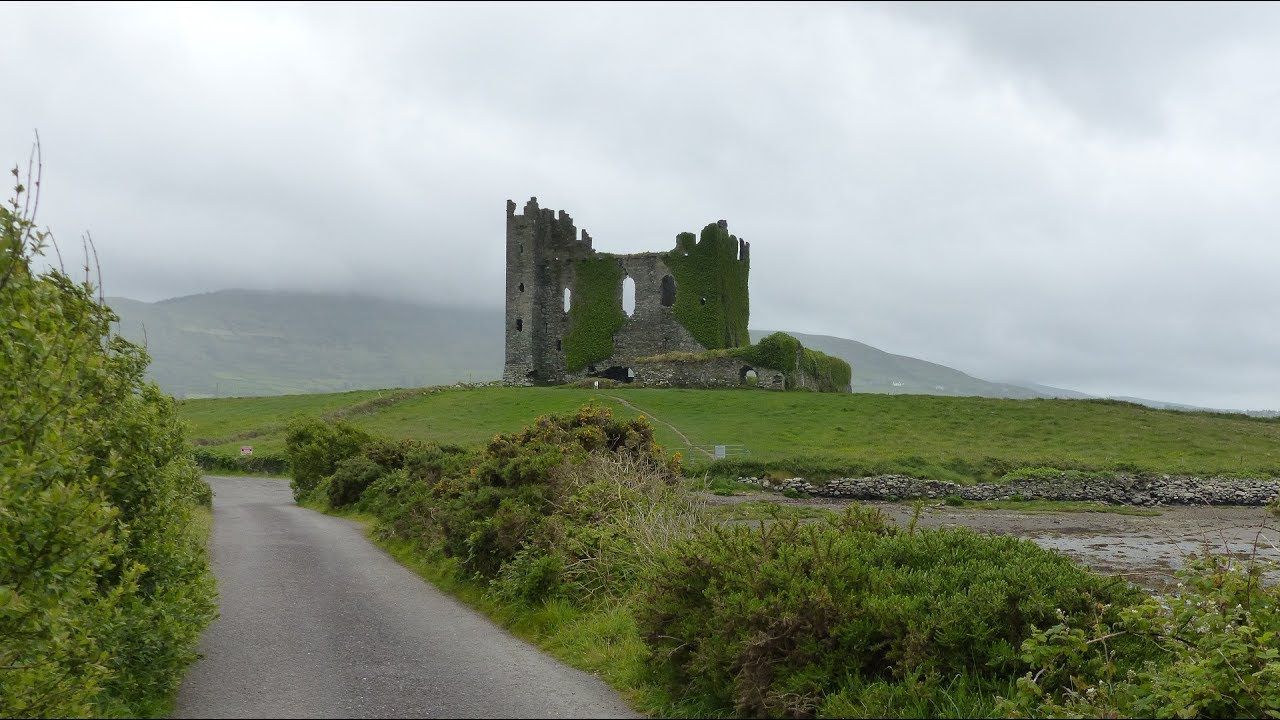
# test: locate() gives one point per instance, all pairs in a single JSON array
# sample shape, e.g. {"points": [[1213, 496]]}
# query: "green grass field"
{"points": [[949, 438]]}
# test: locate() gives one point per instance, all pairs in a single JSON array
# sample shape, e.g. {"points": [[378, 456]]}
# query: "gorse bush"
{"points": [[315, 448], [797, 609], [104, 586], [1213, 650], [581, 522], [350, 478]]}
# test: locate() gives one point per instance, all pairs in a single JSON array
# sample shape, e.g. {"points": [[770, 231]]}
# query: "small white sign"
{"points": [[246, 449], [719, 452]]}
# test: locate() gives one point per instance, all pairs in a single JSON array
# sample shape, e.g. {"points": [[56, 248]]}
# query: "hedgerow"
{"points": [[266, 463], [579, 528], [104, 583]]}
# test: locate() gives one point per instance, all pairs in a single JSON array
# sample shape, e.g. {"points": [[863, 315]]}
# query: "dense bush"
{"points": [[104, 584], [509, 500], [581, 516], [350, 479], [264, 463], [797, 610], [1215, 652], [315, 448]]}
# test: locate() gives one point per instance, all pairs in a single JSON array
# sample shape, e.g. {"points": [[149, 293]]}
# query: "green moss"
{"points": [[711, 287], [596, 313]]}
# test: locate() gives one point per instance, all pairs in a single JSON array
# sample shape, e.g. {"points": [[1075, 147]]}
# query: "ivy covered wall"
{"points": [[781, 351], [711, 287], [595, 312]]}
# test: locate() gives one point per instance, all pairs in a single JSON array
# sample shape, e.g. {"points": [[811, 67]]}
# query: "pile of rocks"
{"points": [[1118, 490]]}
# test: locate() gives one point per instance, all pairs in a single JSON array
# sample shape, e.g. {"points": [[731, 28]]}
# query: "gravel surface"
{"points": [[318, 622]]}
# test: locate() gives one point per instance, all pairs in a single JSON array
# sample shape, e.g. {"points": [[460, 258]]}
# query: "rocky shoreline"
{"points": [[1143, 490]]}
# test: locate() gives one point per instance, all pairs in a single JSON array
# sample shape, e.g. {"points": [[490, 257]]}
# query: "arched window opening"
{"points": [[559, 345], [749, 376], [629, 296], [521, 287], [568, 295], [668, 291], [519, 325], [521, 251]]}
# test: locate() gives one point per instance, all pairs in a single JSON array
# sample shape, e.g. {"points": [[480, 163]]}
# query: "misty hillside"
{"points": [[877, 371], [239, 342]]}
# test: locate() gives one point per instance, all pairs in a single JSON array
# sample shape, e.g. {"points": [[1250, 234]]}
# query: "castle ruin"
{"points": [[565, 317]]}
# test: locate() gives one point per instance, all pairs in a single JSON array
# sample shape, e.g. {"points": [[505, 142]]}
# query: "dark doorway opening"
{"points": [[618, 373]]}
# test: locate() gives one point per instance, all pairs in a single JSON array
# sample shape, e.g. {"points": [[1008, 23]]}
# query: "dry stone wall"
{"points": [[1119, 490]]}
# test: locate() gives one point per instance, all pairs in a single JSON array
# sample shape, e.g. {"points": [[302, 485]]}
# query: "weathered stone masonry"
{"points": [[544, 255]]}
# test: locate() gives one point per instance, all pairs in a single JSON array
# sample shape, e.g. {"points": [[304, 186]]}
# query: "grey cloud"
{"points": [[1078, 196]]}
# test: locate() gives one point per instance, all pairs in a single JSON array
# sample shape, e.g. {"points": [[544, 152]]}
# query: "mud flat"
{"points": [[1144, 549]]}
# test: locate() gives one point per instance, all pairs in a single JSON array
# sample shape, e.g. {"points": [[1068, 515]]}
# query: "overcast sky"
{"points": [[1083, 196]]}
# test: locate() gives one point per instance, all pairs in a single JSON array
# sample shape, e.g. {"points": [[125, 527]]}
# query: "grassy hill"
{"points": [[240, 342], [953, 438]]}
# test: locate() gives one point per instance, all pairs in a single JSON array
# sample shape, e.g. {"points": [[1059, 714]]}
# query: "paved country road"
{"points": [[318, 622]]}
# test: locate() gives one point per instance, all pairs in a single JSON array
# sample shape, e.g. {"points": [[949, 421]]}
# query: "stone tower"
{"points": [[538, 243]]}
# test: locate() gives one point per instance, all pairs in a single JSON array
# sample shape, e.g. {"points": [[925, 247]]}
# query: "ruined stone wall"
{"points": [[724, 372], [544, 258]]}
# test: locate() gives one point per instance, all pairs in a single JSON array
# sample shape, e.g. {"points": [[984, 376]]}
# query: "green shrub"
{"points": [[315, 447], [768, 621], [531, 577], [264, 463], [1212, 649], [104, 583], [529, 495], [350, 479]]}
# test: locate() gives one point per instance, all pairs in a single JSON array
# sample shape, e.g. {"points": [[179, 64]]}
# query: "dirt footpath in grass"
{"points": [[1144, 549]]}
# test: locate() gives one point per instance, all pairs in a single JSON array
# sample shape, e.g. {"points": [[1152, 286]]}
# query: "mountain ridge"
{"points": [[263, 342]]}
